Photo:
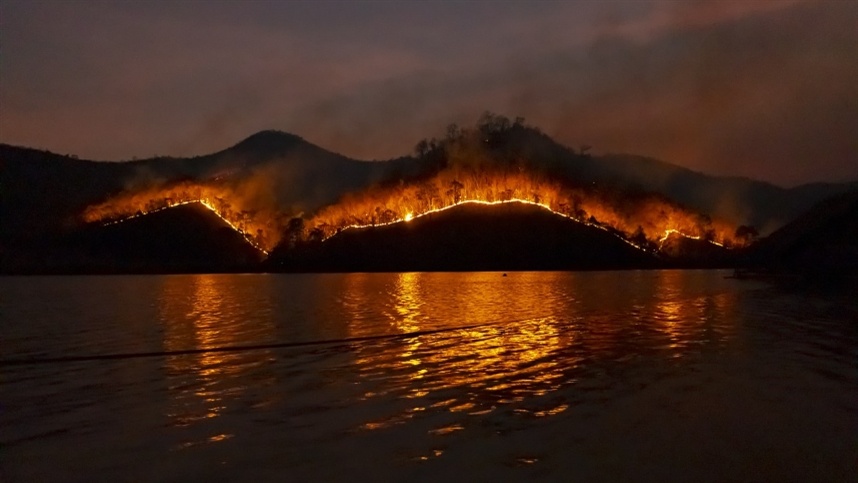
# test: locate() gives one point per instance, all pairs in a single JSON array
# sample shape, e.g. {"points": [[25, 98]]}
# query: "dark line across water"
{"points": [[235, 348]]}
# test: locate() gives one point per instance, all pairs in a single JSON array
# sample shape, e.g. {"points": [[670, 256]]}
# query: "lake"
{"points": [[552, 376]]}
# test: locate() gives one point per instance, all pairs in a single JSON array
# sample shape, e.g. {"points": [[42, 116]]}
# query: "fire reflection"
{"points": [[490, 343], [684, 311], [408, 302], [198, 312], [495, 361]]}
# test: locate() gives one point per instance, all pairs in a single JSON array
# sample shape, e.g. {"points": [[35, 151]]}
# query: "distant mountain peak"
{"points": [[268, 141]]}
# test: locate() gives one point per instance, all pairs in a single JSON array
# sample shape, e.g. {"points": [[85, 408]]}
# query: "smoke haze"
{"points": [[759, 89]]}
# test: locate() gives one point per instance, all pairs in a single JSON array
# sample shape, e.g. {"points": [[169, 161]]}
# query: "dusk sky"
{"points": [[765, 89]]}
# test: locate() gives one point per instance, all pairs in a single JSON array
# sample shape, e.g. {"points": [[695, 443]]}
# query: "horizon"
{"points": [[719, 88], [846, 181]]}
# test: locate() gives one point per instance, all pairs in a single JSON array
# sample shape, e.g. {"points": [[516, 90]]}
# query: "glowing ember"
{"points": [[409, 216]]}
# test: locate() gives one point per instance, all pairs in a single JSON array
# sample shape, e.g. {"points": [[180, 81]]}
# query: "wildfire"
{"points": [[644, 221], [259, 227], [498, 161], [671, 231], [411, 216]]}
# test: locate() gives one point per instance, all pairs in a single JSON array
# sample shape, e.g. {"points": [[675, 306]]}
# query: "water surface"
{"points": [[668, 375]]}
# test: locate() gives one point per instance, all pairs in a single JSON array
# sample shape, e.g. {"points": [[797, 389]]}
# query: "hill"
{"points": [[271, 177], [184, 239], [468, 237], [822, 243], [746, 201], [43, 193]]}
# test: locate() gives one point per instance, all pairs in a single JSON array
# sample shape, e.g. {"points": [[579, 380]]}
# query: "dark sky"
{"points": [[759, 88]]}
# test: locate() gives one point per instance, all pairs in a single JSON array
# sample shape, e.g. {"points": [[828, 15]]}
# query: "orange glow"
{"points": [[643, 221], [200, 312], [505, 363], [259, 225]]}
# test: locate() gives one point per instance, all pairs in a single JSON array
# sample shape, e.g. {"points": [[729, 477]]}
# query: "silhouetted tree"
{"points": [[455, 191], [422, 148], [704, 222], [316, 235], [243, 217], [747, 233], [294, 231], [491, 124], [385, 215], [453, 132], [220, 204]]}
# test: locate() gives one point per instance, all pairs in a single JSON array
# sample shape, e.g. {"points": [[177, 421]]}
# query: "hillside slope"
{"points": [[43, 193], [184, 239], [823, 242], [745, 201], [468, 237]]}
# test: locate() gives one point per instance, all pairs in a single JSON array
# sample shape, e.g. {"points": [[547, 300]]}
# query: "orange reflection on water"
{"points": [[200, 312], [683, 312], [409, 300], [498, 361], [488, 341]]}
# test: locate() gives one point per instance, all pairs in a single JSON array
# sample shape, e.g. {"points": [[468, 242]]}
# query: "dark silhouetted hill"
{"points": [[42, 191], [741, 200], [468, 237], [43, 194], [821, 243], [184, 239]]}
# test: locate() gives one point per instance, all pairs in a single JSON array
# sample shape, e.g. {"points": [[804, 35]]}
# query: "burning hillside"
{"points": [[499, 162], [494, 163], [644, 220], [471, 237], [257, 222]]}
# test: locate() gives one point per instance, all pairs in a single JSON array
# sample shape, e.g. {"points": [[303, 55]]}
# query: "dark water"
{"points": [[665, 376]]}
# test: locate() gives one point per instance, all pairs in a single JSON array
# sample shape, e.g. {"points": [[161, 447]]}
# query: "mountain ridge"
{"points": [[43, 194]]}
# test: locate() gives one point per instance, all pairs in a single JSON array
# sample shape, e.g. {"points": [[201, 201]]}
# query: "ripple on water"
{"points": [[563, 374]]}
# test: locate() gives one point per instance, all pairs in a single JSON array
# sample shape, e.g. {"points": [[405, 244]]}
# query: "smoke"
{"points": [[758, 89], [767, 95]]}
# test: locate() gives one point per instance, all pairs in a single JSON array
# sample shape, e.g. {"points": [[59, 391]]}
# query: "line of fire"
{"points": [[494, 163], [644, 221]]}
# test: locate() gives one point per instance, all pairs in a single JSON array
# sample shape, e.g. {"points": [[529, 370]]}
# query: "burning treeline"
{"points": [[495, 162], [260, 223], [498, 162]]}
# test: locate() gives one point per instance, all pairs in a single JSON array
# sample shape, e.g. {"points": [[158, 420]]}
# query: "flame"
{"points": [[259, 227], [642, 221]]}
